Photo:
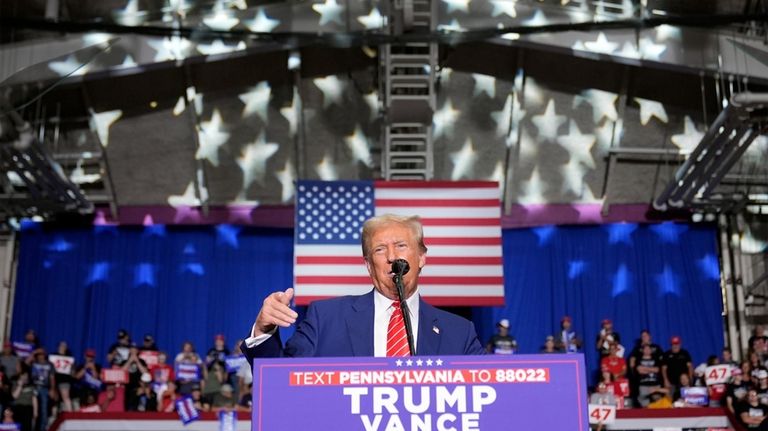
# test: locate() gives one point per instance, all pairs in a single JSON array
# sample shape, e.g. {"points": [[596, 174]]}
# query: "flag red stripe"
{"points": [[463, 241], [461, 221], [436, 184], [459, 301], [422, 202], [341, 279], [431, 260]]}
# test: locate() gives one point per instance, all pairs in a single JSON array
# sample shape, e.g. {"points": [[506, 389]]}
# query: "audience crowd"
{"points": [[36, 385]]}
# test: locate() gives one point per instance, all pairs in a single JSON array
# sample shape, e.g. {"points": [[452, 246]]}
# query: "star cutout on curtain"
{"points": [[549, 122], [576, 268], [669, 232], [601, 45], [326, 169], [463, 161], [668, 282], [262, 23], [501, 7], [603, 104], [332, 89], [621, 281], [709, 266], [329, 11], [544, 234], [256, 100], [102, 121], [374, 20], [144, 275], [287, 178], [227, 234], [211, 137], [444, 120], [456, 5], [651, 108], [253, 161], [484, 84], [690, 138], [579, 145], [621, 233], [358, 145]]}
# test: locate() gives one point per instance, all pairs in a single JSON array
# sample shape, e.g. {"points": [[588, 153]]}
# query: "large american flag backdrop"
{"points": [[462, 230]]}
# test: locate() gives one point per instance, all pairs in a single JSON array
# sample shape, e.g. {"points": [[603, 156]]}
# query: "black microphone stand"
{"points": [[398, 279]]}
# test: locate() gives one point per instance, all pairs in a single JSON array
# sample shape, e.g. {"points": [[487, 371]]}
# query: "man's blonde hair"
{"points": [[373, 224]]}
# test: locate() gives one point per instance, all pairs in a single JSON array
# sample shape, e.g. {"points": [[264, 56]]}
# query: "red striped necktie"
{"points": [[397, 339]]}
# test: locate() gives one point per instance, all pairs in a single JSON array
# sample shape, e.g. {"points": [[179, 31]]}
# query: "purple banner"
{"points": [[421, 393]]}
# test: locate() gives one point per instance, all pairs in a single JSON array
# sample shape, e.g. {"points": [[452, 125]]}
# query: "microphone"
{"points": [[400, 267]]}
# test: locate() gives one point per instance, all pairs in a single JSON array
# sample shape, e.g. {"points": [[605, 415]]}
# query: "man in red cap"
{"points": [[217, 353], [606, 337], [676, 361]]}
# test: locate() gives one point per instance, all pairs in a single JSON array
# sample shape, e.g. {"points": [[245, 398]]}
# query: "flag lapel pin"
{"points": [[436, 330]]}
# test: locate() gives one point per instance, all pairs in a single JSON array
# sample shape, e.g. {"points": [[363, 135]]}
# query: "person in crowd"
{"points": [[699, 373], [567, 341], [120, 350], [762, 387], [613, 367], [736, 391], [6, 390], [726, 358], [25, 403], [756, 363], [217, 377], [549, 345], [42, 374], [659, 399], [87, 376], [606, 337], [189, 369], [634, 357], [136, 368], [502, 343], [112, 399], [683, 381], [758, 342], [64, 379], [246, 399], [10, 361], [223, 400], [146, 398], [357, 325], [32, 338], [217, 353], [676, 361], [8, 416], [162, 373], [232, 371], [648, 374], [752, 413], [603, 396], [148, 344], [167, 398], [197, 398]]}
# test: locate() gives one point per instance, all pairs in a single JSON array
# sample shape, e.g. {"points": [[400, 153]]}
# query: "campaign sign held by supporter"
{"points": [[227, 421], [149, 357], [185, 407], [114, 375], [62, 364], [715, 374], [187, 372], [423, 392], [22, 349], [234, 362], [602, 414], [91, 381], [10, 427], [695, 396]]}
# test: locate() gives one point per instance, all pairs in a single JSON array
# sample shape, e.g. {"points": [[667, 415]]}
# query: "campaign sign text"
{"points": [[421, 393]]}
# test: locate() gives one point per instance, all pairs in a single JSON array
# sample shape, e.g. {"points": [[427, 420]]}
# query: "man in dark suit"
{"points": [[366, 325]]}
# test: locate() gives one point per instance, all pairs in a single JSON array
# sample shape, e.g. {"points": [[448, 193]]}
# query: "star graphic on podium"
{"points": [[419, 362], [439, 362], [429, 362], [409, 362], [399, 363]]}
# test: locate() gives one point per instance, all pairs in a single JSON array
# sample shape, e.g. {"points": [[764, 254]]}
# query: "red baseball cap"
{"points": [[90, 353], [675, 340], [565, 319], [607, 322], [219, 337]]}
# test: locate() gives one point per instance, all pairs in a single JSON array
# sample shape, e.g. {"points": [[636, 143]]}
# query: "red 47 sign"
{"points": [[602, 414], [715, 374]]}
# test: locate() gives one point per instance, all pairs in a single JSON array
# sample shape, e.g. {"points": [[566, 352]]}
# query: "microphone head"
{"points": [[400, 267]]}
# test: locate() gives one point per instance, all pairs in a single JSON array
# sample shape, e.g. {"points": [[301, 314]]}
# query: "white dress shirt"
{"points": [[383, 309]]}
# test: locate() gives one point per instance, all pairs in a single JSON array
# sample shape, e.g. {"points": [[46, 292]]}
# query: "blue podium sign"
{"points": [[421, 393]]}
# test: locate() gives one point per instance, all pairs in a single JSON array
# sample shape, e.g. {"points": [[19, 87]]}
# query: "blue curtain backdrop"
{"points": [[189, 283]]}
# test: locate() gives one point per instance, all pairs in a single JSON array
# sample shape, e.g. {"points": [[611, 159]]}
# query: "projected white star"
{"points": [[372, 100], [130, 16], [332, 88], [573, 177], [358, 145], [70, 66], [651, 108], [548, 122], [604, 135], [211, 137], [503, 117], [374, 20], [629, 50], [538, 19], [601, 45], [262, 23], [690, 138], [101, 122], [666, 32], [330, 11], [186, 199], [456, 5], [650, 50], [444, 119], [501, 7], [170, 48], [484, 84], [532, 93], [603, 104], [219, 47], [256, 100], [453, 26], [289, 113], [579, 145], [463, 161], [497, 174], [221, 19], [287, 177], [326, 169], [533, 189], [253, 161]]}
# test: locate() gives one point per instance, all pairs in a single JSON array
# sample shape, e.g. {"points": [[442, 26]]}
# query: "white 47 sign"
{"points": [[717, 374], [602, 414]]}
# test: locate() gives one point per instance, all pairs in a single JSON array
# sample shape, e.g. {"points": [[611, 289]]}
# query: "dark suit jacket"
{"points": [[344, 327]]}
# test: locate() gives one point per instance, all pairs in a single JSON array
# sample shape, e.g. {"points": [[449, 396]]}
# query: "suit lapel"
{"points": [[429, 330], [360, 325]]}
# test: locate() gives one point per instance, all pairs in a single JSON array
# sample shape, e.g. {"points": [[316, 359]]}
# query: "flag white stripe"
{"points": [[424, 289], [434, 270], [434, 250], [438, 193], [441, 212], [461, 232]]}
